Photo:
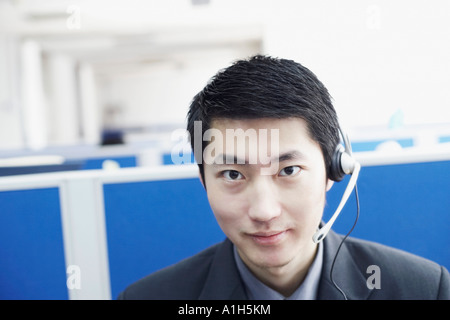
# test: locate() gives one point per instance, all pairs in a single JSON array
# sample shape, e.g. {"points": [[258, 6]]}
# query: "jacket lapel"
{"points": [[346, 273], [223, 281]]}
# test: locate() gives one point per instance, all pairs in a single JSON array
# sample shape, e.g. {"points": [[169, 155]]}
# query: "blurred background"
{"points": [[91, 85], [73, 71]]}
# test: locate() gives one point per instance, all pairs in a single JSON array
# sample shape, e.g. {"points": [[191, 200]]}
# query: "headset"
{"points": [[342, 163]]}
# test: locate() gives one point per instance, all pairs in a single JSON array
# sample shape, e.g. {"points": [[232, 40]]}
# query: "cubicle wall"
{"points": [[154, 224], [32, 264], [406, 206], [88, 234]]}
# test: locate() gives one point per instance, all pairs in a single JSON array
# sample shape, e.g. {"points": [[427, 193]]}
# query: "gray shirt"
{"points": [[256, 290]]}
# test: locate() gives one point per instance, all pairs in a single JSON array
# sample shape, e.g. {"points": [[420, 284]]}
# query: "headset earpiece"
{"points": [[342, 164], [336, 172]]}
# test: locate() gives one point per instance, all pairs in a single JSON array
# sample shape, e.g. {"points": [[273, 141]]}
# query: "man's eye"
{"points": [[290, 171], [232, 175]]}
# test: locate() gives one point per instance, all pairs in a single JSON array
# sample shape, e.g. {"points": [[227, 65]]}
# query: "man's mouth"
{"points": [[269, 238]]}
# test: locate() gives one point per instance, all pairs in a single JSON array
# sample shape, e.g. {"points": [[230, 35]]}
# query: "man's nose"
{"points": [[264, 201]]}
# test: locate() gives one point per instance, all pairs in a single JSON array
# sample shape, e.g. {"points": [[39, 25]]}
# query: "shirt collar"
{"points": [[256, 290]]}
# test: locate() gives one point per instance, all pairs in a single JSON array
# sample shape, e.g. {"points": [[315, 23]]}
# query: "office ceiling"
{"points": [[104, 30]]}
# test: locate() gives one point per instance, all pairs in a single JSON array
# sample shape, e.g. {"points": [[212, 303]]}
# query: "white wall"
{"points": [[62, 102], [375, 57], [34, 107], [11, 135], [160, 93]]}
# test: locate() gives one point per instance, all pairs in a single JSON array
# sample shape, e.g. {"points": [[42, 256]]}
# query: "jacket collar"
{"points": [[346, 273]]}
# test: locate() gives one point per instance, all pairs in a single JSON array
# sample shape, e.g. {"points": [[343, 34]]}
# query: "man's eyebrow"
{"points": [[289, 155], [233, 159]]}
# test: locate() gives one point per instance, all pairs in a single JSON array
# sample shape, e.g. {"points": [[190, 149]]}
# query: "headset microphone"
{"points": [[343, 163]]}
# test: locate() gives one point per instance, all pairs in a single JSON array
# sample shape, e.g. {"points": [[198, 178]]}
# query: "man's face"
{"points": [[271, 218]]}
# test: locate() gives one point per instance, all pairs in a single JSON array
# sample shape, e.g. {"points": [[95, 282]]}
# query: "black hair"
{"points": [[267, 87]]}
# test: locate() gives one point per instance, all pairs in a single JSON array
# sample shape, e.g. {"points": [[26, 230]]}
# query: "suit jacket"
{"points": [[212, 275]]}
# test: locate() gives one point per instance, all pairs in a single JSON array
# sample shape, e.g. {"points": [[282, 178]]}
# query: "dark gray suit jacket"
{"points": [[212, 275]]}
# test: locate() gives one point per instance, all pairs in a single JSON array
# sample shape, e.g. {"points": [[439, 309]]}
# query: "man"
{"points": [[266, 167]]}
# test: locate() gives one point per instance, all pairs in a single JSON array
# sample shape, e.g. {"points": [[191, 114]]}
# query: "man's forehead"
{"points": [[285, 131]]}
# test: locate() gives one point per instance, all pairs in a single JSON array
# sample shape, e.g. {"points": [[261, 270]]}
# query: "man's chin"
{"points": [[267, 260]]}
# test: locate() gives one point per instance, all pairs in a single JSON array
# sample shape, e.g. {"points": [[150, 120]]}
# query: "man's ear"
{"points": [[329, 184]]}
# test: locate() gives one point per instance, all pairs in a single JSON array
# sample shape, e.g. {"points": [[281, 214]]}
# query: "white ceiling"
{"points": [[119, 35], [87, 29]]}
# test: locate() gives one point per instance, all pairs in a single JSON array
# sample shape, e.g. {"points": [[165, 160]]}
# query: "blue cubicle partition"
{"points": [[122, 161], [406, 206], [32, 262], [154, 224]]}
